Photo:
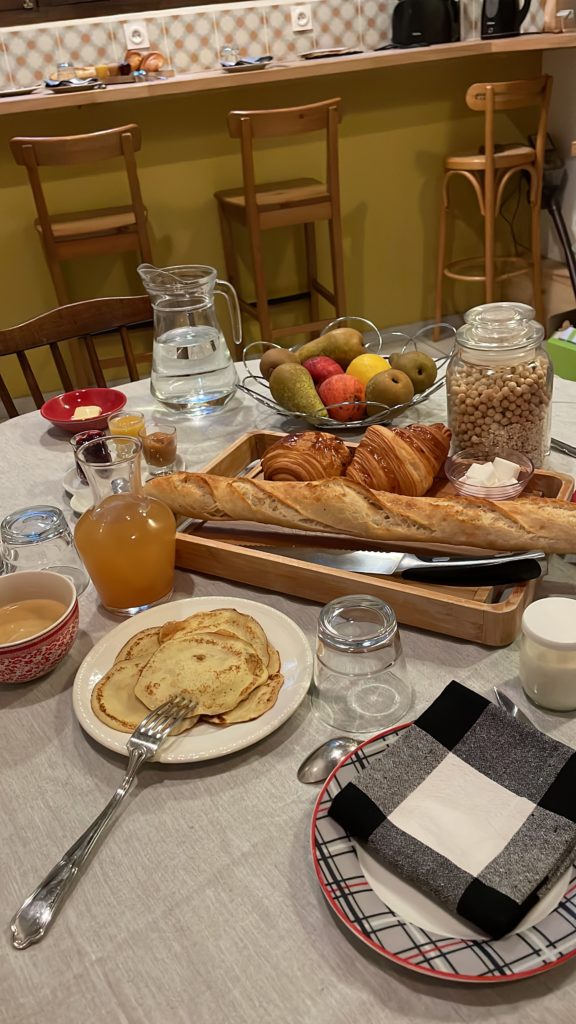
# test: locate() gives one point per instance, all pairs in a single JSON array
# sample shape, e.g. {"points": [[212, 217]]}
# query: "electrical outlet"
{"points": [[136, 35], [301, 17]]}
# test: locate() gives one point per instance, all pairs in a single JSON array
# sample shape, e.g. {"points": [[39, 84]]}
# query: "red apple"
{"points": [[321, 368], [343, 388]]}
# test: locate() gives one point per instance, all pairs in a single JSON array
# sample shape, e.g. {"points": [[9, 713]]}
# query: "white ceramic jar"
{"points": [[548, 653]]}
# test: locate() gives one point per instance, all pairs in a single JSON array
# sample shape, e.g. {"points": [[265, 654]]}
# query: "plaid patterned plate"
{"points": [[521, 955]]}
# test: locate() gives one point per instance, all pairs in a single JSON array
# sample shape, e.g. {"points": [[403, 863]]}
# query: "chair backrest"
{"points": [[491, 97], [68, 150], [248, 125], [80, 323]]}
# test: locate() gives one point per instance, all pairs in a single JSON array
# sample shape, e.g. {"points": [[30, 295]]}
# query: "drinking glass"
{"points": [[159, 444], [360, 679], [129, 424], [39, 538], [97, 454], [229, 54]]}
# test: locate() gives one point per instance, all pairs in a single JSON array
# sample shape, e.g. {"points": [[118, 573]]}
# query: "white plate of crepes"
{"points": [[247, 666]]}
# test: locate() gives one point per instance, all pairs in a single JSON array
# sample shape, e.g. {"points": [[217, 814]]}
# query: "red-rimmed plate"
{"points": [[414, 932]]}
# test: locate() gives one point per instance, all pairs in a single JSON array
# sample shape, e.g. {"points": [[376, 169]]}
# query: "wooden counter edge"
{"points": [[214, 80]]}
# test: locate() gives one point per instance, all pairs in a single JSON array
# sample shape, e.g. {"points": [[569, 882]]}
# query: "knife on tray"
{"points": [[444, 570]]}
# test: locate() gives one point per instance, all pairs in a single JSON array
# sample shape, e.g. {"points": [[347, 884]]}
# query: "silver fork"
{"points": [[32, 921]]}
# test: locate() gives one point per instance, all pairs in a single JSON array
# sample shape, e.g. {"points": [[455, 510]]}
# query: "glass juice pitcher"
{"points": [[192, 369], [127, 540]]}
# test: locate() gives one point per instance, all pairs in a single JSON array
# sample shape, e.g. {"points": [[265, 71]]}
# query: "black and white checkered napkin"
{"points": [[471, 807]]}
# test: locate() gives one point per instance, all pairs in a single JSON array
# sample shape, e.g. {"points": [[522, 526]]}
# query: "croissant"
{"points": [[402, 461], [312, 455], [341, 506], [152, 60]]}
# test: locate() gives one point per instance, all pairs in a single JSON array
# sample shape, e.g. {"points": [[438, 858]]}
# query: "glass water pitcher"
{"points": [[192, 368]]}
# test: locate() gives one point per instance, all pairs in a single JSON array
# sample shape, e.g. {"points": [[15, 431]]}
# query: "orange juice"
{"points": [[127, 423], [127, 543]]}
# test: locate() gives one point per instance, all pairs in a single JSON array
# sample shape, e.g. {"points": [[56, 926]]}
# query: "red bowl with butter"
{"points": [[68, 411], [38, 623]]}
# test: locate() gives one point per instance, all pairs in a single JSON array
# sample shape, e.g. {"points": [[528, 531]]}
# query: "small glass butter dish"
{"points": [[499, 476]]}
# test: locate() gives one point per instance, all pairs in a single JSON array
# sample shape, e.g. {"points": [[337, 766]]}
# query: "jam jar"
{"points": [[499, 382]]}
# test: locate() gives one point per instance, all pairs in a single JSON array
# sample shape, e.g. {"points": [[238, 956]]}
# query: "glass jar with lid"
{"points": [[547, 666], [499, 382], [360, 678]]}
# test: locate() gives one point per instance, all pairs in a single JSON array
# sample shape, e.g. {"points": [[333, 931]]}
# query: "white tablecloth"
{"points": [[202, 906]]}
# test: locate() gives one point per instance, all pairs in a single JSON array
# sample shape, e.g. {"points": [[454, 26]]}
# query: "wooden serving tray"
{"points": [[485, 615]]}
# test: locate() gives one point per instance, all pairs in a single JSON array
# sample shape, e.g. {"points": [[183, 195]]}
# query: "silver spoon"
{"points": [[318, 765]]}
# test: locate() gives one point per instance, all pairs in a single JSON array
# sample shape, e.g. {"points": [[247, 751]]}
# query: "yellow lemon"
{"points": [[367, 366]]}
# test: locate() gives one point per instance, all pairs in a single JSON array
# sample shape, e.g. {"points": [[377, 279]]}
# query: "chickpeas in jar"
{"points": [[499, 382]]}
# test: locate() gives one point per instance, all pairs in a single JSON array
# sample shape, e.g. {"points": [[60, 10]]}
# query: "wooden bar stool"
{"points": [[301, 201], [87, 232], [489, 172]]}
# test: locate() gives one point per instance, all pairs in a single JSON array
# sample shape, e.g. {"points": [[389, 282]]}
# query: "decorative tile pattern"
{"points": [[33, 54], [87, 42], [191, 42], [244, 28], [283, 43], [534, 21], [337, 24], [192, 39], [470, 19], [5, 79], [376, 21]]}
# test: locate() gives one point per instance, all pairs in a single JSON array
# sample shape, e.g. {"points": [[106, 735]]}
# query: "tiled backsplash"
{"points": [[191, 37]]}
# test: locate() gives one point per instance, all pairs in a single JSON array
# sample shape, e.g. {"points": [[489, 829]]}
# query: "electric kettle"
{"points": [[503, 17]]}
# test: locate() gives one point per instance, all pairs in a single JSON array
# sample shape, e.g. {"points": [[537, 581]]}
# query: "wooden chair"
{"points": [[489, 172], [301, 201], [82, 324], [88, 232]]}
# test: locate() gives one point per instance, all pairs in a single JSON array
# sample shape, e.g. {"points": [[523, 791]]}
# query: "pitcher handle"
{"points": [[229, 292]]}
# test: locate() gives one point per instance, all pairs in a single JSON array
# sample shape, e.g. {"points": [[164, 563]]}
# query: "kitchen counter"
{"points": [[215, 80]]}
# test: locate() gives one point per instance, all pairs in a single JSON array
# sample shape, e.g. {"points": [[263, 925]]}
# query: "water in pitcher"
{"points": [[192, 369]]}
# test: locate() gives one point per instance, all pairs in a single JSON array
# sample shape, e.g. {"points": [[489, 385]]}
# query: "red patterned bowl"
{"points": [[60, 410], [37, 655]]}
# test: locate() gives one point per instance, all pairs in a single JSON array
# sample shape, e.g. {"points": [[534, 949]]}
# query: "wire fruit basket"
{"points": [[375, 342]]}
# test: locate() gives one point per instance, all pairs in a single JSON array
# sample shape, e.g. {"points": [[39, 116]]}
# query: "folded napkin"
{"points": [[246, 61], [67, 82], [471, 807]]}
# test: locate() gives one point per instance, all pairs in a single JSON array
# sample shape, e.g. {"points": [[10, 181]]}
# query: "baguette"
{"points": [[341, 506]]}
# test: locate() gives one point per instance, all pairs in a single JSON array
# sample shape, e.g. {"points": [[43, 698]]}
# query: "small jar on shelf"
{"points": [[499, 382]]}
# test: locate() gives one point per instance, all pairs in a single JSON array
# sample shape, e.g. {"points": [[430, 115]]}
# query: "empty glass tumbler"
{"points": [[39, 538], [360, 679]]}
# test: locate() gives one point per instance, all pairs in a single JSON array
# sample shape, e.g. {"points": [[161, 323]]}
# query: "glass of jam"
{"points": [[98, 453], [159, 445]]}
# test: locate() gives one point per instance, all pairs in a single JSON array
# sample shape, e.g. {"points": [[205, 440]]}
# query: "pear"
{"points": [[274, 357], [392, 387], [342, 345], [293, 388], [421, 368]]}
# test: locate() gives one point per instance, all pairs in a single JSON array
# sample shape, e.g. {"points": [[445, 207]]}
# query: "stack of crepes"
{"points": [[470, 806], [222, 660]]}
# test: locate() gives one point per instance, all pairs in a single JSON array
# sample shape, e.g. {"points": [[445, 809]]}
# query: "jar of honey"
{"points": [[127, 540]]}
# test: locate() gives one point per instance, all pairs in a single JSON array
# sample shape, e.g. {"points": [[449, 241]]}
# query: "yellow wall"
{"points": [[398, 124]]}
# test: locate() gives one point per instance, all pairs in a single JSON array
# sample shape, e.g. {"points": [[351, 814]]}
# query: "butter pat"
{"points": [[499, 473], [505, 471], [480, 473], [87, 412]]}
